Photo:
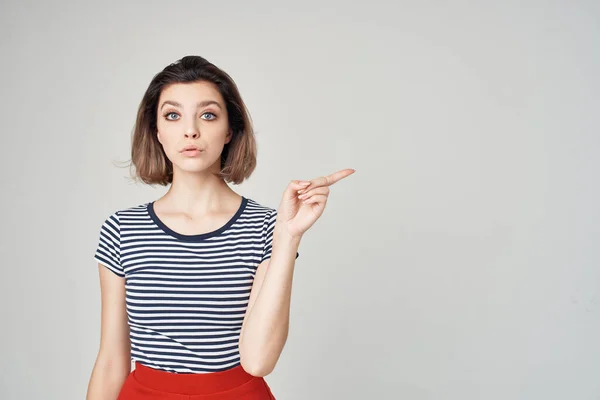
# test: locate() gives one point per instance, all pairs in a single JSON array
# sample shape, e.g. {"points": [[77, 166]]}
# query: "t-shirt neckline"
{"points": [[197, 237]]}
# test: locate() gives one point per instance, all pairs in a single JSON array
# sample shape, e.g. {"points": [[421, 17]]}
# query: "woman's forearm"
{"points": [[267, 324], [107, 378]]}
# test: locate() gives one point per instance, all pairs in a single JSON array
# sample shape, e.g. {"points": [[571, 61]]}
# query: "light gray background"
{"points": [[461, 261]]}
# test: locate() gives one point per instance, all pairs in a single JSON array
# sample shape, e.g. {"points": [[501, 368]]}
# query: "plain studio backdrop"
{"points": [[460, 261]]}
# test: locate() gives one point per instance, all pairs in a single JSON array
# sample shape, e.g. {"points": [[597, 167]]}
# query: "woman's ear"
{"points": [[229, 136]]}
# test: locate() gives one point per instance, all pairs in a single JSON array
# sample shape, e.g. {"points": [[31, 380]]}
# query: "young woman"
{"points": [[196, 285]]}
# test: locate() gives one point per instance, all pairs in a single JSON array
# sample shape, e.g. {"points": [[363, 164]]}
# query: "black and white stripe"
{"points": [[186, 295]]}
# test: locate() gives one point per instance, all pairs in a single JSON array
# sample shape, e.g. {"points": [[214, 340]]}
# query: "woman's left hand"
{"points": [[303, 202]]}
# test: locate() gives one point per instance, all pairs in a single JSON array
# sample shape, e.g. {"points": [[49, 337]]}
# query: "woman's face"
{"points": [[193, 114]]}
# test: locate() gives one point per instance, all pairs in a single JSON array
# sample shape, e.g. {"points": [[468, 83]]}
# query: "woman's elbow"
{"points": [[257, 370], [256, 366]]}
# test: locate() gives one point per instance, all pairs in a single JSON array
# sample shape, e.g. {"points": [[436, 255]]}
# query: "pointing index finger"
{"points": [[327, 180], [339, 175]]}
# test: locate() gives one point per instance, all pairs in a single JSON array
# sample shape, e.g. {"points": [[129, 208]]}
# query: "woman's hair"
{"points": [[238, 158]]}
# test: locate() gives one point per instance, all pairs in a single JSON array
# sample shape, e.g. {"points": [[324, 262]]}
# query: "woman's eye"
{"points": [[172, 116]]}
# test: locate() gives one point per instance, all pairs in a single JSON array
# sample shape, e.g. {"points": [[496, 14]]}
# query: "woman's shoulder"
{"points": [[127, 210], [258, 207]]}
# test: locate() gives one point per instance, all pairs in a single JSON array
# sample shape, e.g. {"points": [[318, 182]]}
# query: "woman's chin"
{"points": [[193, 167]]}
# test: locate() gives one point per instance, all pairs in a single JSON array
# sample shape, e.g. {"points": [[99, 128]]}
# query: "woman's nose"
{"points": [[192, 133]]}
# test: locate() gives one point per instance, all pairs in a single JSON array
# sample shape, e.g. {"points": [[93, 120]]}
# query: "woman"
{"points": [[196, 285]]}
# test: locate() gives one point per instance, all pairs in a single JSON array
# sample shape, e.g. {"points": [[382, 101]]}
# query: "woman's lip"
{"points": [[191, 152]]}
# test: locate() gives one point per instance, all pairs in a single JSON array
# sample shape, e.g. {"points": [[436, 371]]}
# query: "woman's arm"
{"points": [[113, 362], [265, 327]]}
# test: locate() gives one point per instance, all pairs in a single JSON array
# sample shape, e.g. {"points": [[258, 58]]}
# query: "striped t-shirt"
{"points": [[186, 295]]}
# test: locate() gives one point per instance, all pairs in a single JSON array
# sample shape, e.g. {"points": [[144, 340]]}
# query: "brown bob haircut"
{"points": [[238, 159]]}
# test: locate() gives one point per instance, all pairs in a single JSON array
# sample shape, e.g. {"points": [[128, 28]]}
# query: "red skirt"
{"points": [[148, 383]]}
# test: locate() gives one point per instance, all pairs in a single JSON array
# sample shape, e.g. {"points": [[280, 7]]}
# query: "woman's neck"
{"points": [[196, 194]]}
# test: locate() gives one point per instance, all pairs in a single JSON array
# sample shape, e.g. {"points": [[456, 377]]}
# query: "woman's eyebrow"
{"points": [[199, 104]]}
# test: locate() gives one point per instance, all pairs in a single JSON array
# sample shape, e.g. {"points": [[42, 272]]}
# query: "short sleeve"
{"points": [[108, 251], [268, 229]]}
